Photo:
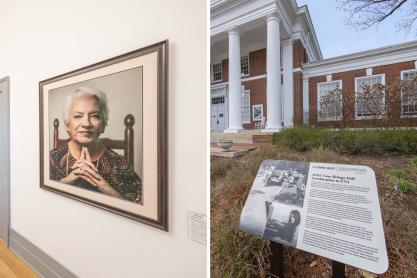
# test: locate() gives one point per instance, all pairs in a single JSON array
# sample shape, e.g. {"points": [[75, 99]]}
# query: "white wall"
{"points": [[42, 39]]}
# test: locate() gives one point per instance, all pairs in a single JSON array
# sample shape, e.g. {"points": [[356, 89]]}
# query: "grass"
{"points": [[400, 178], [236, 254]]}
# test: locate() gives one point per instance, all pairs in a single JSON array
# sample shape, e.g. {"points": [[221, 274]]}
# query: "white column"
{"points": [[273, 75], [235, 107], [288, 82], [306, 105]]}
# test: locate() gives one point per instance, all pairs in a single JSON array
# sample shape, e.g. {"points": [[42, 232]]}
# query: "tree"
{"points": [[366, 13]]}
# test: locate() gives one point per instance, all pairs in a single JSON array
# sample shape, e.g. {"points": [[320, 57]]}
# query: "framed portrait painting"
{"points": [[104, 135]]}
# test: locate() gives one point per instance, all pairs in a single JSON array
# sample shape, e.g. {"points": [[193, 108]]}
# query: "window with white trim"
{"points": [[370, 97], [409, 94], [244, 65], [217, 72], [329, 101], [245, 107]]}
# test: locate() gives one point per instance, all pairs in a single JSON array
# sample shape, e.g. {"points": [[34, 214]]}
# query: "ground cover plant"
{"points": [[236, 254]]}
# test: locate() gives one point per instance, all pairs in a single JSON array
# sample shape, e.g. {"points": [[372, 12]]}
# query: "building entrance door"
{"points": [[4, 160], [218, 113]]}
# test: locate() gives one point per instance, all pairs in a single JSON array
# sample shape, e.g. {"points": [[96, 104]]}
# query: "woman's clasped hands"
{"points": [[84, 169]]}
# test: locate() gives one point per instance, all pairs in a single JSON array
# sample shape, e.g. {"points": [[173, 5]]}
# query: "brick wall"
{"points": [[257, 65], [299, 54], [299, 58], [257, 96], [257, 62], [298, 98], [392, 75]]}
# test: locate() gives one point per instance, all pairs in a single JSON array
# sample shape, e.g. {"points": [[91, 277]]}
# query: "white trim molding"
{"points": [[41, 262], [251, 78], [361, 60]]}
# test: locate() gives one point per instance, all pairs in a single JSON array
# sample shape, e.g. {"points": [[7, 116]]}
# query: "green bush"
{"points": [[375, 141], [302, 138]]}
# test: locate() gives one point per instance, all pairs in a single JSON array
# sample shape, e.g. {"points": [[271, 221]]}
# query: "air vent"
{"points": [[197, 227]]}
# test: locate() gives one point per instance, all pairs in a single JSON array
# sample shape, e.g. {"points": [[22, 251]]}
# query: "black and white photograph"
{"points": [[257, 112], [254, 216], [283, 224], [282, 181], [272, 209]]}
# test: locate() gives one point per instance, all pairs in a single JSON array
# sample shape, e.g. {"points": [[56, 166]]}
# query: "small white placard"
{"points": [[331, 210]]}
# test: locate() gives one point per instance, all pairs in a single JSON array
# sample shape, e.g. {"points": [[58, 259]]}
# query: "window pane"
{"points": [[244, 65], [370, 100], [409, 95], [330, 101], [245, 107], [217, 72]]}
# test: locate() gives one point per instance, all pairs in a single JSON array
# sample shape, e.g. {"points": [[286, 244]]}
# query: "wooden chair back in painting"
{"points": [[126, 145]]}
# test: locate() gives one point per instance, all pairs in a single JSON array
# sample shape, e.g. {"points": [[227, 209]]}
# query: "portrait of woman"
{"points": [[283, 231], [85, 162]]}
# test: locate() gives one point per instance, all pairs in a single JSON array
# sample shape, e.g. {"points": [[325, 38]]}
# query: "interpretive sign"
{"points": [[331, 210]]}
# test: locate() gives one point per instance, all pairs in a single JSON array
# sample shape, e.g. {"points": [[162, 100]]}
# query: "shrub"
{"points": [[376, 141], [302, 138]]}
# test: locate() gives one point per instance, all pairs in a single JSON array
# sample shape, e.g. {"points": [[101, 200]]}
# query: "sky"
{"points": [[337, 38]]}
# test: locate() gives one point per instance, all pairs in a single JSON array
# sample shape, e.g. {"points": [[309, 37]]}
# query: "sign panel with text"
{"points": [[331, 210]]}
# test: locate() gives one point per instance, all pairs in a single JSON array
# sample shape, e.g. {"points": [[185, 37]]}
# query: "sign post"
{"points": [[338, 270], [331, 210], [277, 259]]}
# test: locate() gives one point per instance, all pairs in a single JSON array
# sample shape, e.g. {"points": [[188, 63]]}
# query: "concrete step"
{"points": [[243, 137], [262, 139]]}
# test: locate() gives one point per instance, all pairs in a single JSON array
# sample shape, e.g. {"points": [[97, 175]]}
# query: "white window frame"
{"points": [[241, 107], [241, 73], [221, 72], [376, 117], [318, 101], [402, 78], [253, 112]]}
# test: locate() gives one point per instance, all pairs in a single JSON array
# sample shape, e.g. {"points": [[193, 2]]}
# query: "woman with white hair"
{"points": [[84, 161]]}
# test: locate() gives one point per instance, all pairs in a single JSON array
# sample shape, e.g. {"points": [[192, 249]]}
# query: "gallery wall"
{"points": [[43, 39]]}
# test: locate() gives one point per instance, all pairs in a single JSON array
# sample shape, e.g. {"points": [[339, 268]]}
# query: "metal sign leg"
{"points": [[338, 270], [276, 259]]}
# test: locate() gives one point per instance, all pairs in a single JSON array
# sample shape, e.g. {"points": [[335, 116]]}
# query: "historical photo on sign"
{"points": [[272, 208], [282, 181], [283, 223], [99, 124]]}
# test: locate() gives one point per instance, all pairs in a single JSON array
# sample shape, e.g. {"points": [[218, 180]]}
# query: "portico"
{"points": [[252, 63]]}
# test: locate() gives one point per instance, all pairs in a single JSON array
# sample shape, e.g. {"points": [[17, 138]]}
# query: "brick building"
{"points": [[267, 72]]}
